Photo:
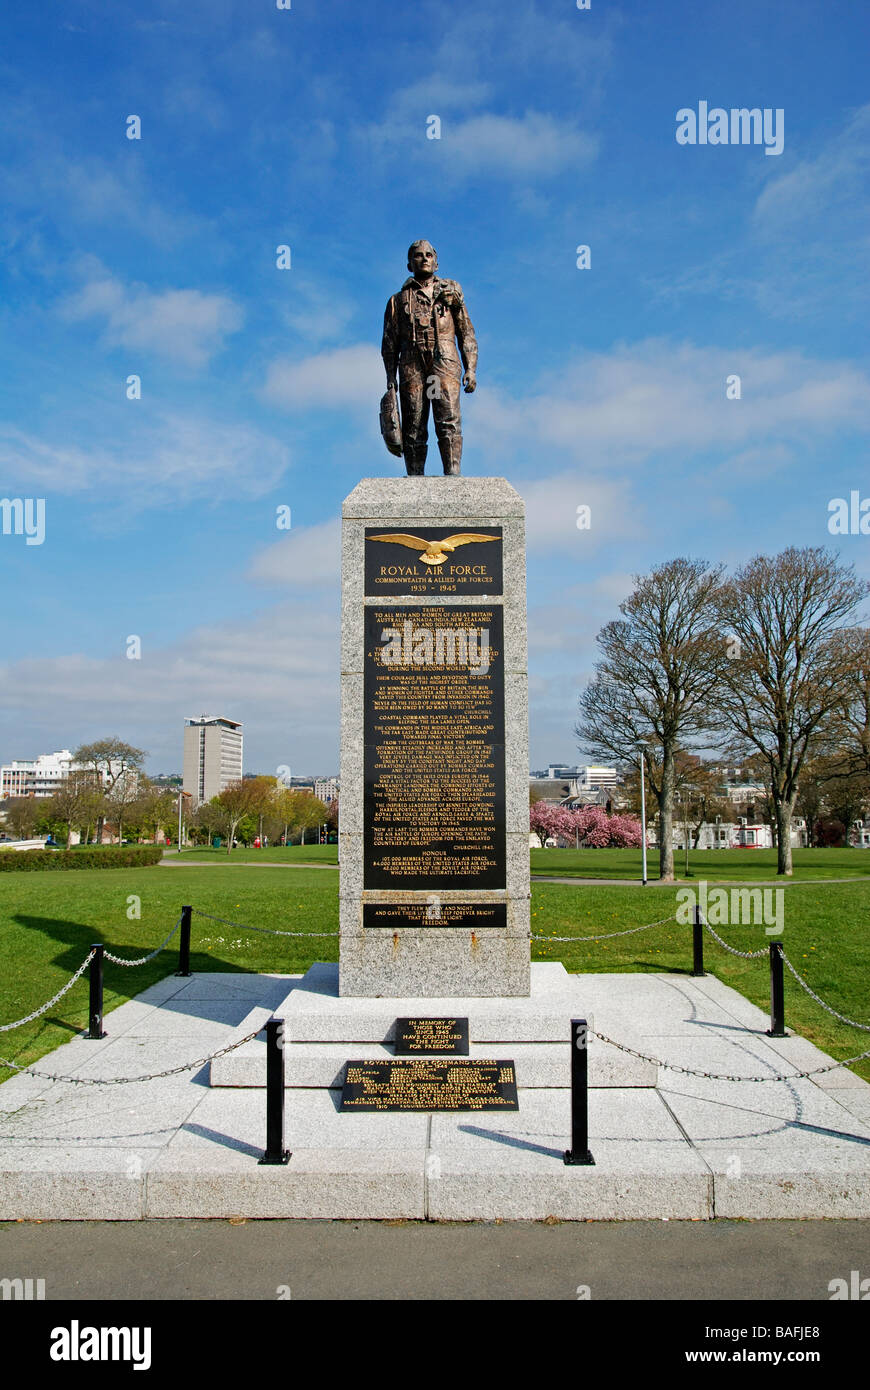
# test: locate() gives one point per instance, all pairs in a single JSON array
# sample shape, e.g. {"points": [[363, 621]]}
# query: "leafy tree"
{"points": [[111, 760], [22, 815]]}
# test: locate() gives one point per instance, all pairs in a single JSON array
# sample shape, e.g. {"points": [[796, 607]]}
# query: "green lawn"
{"points": [[278, 854], [49, 920], [712, 864]]}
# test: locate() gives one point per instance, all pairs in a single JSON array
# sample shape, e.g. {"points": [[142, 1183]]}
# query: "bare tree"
{"points": [[784, 674], [653, 687]]}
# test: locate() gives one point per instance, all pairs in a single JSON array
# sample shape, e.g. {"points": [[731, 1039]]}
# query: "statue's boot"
{"points": [[415, 460], [451, 453]]}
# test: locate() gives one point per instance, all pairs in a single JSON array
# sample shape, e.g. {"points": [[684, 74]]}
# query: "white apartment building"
{"points": [[212, 756], [326, 788], [40, 776], [596, 778]]}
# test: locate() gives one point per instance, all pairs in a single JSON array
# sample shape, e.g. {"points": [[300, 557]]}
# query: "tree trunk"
{"points": [[666, 818], [783, 837]]}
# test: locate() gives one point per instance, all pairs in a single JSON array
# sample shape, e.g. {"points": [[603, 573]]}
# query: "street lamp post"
{"points": [[642, 815], [180, 805]]}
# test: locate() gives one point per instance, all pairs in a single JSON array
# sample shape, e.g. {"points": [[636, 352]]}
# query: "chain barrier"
{"points": [[5, 1027], [865, 1027], [746, 955], [605, 936], [721, 1076], [270, 931], [126, 1080], [119, 960]]}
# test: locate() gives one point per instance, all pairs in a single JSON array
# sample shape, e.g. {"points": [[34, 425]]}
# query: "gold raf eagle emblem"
{"points": [[433, 552]]}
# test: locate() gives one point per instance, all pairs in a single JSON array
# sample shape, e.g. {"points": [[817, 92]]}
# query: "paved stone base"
{"points": [[323, 1029], [688, 1148]]}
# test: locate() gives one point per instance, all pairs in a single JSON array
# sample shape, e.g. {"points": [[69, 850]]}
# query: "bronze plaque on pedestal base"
{"points": [[412, 1084]]}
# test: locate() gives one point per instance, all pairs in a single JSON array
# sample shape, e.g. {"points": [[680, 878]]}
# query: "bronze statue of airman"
{"points": [[427, 333]]}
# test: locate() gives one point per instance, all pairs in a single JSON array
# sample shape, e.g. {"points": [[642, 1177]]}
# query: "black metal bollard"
{"points": [[777, 993], [579, 1150], [95, 1005], [184, 942], [697, 942], [275, 1151]]}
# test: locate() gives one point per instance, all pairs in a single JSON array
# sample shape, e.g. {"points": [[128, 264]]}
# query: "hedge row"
{"points": [[98, 857]]}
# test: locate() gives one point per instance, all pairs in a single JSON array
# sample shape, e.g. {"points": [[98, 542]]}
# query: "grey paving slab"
{"points": [[72, 1183], [508, 1166], [343, 1166]]}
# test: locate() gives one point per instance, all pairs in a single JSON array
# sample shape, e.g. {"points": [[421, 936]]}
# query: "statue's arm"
{"points": [[390, 341], [465, 338]]}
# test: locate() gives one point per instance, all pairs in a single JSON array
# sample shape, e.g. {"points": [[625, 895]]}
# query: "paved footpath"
{"points": [[759, 1260], [691, 1147]]}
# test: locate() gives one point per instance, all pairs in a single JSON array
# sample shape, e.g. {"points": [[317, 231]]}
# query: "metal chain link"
{"points": [[5, 1027], [720, 1076], [865, 1027], [605, 936], [272, 931], [125, 1080], [747, 955], [119, 960]]}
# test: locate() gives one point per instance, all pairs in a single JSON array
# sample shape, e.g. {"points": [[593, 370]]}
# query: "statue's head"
{"points": [[422, 256]]}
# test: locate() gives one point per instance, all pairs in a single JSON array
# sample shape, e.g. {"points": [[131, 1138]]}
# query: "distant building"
{"points": [[728, 835], [596, 779], [326, 788], [212, 756], [40, 776]]}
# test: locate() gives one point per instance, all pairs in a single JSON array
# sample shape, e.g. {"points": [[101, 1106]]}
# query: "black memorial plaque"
{"points": [[416, 1037], [471, 916], [414, 1084], [434, 764], [412, 562]]}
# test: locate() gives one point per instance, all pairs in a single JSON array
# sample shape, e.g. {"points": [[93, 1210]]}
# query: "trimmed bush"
{"points": [[97, 857]]}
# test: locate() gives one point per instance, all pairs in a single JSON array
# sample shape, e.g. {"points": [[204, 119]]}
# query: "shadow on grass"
{"points": [[124, 982]]}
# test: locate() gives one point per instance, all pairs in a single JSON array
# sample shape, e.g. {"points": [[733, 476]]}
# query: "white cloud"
{"points": [[551, 513], [529, 148], [656, 397], [534, 147], [184, 326], [814, 188], [307, 558], [351, 376], [191, 457], [276, 671], [318, 311]]}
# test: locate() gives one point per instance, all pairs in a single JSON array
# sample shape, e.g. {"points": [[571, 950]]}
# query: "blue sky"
{"points": [[604, 387]]}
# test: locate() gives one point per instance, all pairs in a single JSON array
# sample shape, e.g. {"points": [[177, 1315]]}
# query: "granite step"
{"points": [[538, 1065]]}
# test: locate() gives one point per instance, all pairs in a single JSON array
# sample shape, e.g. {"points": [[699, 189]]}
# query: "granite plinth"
{"points": [[440, 961]]}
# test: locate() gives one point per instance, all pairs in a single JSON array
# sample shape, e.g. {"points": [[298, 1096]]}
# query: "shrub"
{"points": [[98, 857]]}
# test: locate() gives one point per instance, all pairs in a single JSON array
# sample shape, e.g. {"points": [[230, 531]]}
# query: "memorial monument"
{"points": [[434, 1005], [434, 844]]}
